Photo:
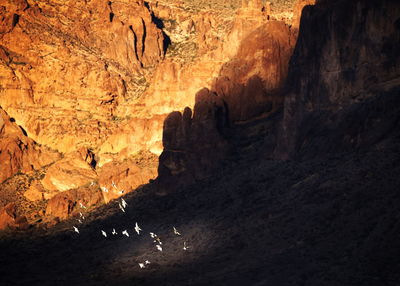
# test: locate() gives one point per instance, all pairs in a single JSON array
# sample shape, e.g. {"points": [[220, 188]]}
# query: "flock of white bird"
{"points": [[122, 205]]}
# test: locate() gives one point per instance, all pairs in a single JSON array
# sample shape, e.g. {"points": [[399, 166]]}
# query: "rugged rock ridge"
{"points": [[248, 86], [343, 79], [66, 66], [18, 152], [341, 91], [187, 137]]}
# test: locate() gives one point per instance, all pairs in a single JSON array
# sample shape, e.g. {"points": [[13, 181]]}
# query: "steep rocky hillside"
{"points": [[94, 80], [282, 170]]}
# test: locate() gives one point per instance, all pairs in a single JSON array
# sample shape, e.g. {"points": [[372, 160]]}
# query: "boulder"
{"points": [[71, 172], [118, 178], [66, 203]]}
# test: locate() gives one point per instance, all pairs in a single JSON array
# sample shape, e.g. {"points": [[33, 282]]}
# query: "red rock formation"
{"points": [[251, 83], [9, 218], [118, 178], [64, 204], [17, 151], [67, 66]]}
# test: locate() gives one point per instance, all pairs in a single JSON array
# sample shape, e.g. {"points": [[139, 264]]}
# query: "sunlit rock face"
{"points": [[18, 152], [344, 78], [67, 65], [251, 83], [10, 219], [248, 86], [117, 178]]}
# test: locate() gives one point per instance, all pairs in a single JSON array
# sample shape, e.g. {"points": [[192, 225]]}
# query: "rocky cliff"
{"points": [[344, 78], [341, 89]]}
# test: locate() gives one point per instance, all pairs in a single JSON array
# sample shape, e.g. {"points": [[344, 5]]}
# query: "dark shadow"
{"points": [[160, 25], [15, 20], [23, 130]]}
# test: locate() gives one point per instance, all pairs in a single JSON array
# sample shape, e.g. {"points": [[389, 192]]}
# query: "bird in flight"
{"points": [[176, 232], [185, 247], [82, 206], [104, 189], [137, 228], [76, 229], [113, 184], [125, 232], [114, 232], [104, 233], [141, 265], [159, 247], [124, 204], [158, 240], [121, 207], [147, 262]]}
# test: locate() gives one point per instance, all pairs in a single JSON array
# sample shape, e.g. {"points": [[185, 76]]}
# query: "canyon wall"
{"points": [[340, 93], [343, 77]]}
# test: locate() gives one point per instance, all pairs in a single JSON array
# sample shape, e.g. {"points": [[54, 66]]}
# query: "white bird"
{"points": [[79, 221], [76, 229], [176, 232], [125, 232], [137, 228], [185, 247], [159, 247], [104, 189], [82, 206], [113, 184], [124, 204], [114, 232], [121, 207], [121, 192], [147, 262], [104, 233], [153, 235], [92, 183], [158, 240], [141, 265]]}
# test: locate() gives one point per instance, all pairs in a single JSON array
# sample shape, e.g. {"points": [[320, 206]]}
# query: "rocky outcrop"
{"points": [[252, 82], [194, 145], [248, 87], [67, 203], [73, 171], [71, 70], [117, 178], [18, 152], [9, 218], [344, 78]]}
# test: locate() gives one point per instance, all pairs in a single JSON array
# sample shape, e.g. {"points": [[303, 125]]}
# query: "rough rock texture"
{"points": [[194, 145], [9, 218], [118, 178], [344, 78], [18, 152], [36, 192], [66, 66], [251, 83], [248, 87], [70, 172], [64, 204]]}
